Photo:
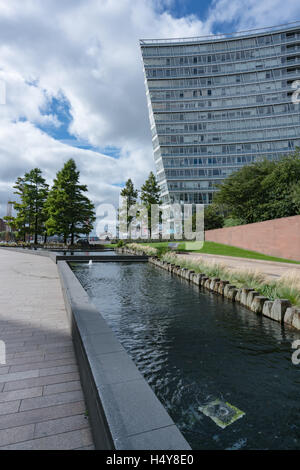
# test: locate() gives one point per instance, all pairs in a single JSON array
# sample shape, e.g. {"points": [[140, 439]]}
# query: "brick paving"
{"points": [[41, 400]]}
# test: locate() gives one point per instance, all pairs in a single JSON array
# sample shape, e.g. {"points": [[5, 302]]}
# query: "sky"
{"points": [[75, 87]]}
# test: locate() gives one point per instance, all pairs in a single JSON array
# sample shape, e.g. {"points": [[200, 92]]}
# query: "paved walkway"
{"points": [[41, 400], [271, 269]]}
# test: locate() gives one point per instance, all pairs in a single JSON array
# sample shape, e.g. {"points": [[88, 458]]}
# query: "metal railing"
{"points": [[219, 36]]}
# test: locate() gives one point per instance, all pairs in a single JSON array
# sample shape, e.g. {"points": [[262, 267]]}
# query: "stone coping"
{"points": [[124, 412], [77, 258]]}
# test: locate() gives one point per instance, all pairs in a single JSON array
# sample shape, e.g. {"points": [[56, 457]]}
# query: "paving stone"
{"points": [[31, 353], [58, 370], [21, 349], [86, 448], [39, 381], [56, 426], [50, 400], [43, 364], [19, 375], [21, 394], [54, 346], [10, 407], [64, 441], [62, 387], [18, 434], [41, 414], [25, 360], [64, 355]]}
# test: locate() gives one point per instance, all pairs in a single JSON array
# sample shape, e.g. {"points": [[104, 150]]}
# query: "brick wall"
{"points": [[278, 237]]}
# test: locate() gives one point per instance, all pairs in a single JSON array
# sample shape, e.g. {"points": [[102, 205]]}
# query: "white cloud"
{"points": [[88, 52]]}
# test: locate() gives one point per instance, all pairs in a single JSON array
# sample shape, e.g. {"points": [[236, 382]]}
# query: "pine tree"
{"points": [[150, 194], [131, 196], [36, 192], [19, 222], [32, 190], [70, 212]]}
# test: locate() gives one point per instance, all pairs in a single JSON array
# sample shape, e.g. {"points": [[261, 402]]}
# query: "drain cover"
{"points": [[221, 412]]}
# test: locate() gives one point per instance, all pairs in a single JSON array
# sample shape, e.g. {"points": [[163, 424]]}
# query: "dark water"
{"points": [[194, 347]]}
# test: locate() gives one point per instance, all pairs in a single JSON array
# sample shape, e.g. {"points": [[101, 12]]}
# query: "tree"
{"points": [[131, 196], [150, 194], [295, 191], [213, 218], [69, 211], [242, 192], [32, 190], [263, 190], [36, 192], [20, 221]]}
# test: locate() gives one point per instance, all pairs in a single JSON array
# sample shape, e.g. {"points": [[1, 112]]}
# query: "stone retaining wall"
{"points": [[280, 310]]}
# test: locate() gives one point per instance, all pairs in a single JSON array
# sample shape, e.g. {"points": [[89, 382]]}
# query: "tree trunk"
{"points": [[45, 238], [36, 230], [72, 238]]}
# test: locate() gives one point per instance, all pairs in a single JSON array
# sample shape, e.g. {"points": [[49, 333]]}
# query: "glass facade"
{"points": [[218, 103]]}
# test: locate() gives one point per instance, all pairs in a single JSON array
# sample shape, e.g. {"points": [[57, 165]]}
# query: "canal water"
{"points": [[195, 348]]}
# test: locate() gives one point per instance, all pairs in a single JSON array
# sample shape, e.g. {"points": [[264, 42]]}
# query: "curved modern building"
{"points": [[218, 103]]}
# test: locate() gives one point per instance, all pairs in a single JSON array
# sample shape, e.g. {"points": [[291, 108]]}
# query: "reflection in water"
{"points": [[194, 347]]}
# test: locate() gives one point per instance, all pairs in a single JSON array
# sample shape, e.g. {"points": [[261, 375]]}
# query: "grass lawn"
{"points": [[225, 250]]}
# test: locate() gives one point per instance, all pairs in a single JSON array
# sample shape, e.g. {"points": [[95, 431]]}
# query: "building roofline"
{"points": [[222, 36]]}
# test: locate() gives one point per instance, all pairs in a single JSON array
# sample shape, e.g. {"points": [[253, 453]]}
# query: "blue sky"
{"points": [[75, 85], [180, 8]]}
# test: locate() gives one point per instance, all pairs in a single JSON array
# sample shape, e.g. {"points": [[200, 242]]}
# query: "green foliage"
{"points": [[131, 195], [70, 212], [263, 190], [232, 222], [120, 243], [213, 218], [32, 191], [162, 250], [295, 192], [150, 194]]}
